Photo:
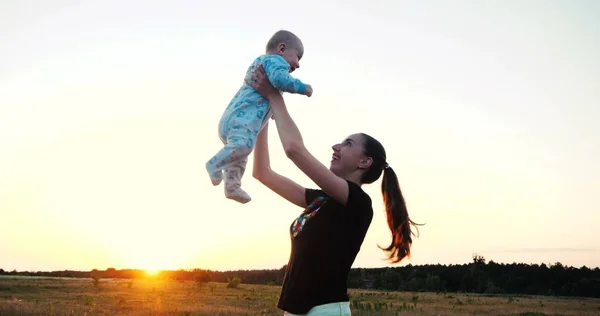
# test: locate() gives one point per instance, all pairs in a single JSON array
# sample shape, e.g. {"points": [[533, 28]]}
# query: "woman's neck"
{"points": [[354, 177]]}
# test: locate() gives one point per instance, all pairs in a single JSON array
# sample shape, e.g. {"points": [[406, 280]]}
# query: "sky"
{"points": [[109, 111]]}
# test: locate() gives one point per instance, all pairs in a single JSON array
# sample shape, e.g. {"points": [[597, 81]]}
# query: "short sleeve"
{"points": [[311, 194]]}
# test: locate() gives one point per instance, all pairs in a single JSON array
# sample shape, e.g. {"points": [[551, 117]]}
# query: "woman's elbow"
{"points": [[259, 174], [293, 149]]}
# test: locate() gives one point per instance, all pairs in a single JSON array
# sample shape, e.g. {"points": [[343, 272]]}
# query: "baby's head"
{"points": [[288, 46]]}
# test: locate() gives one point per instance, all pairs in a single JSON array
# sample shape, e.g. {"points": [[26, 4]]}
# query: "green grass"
{"points": [[30, 296]]}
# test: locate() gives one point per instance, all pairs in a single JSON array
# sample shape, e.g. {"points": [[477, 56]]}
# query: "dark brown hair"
{"points": [[395, 207]]}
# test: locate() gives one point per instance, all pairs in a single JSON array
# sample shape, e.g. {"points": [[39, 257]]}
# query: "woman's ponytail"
{"points": [[395, 207], [397, 217]]}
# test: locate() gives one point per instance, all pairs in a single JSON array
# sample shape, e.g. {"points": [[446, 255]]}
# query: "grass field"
{"points": [[54, 296]]}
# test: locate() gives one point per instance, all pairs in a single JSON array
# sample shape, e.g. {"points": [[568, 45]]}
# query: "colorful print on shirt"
{"points": [[311, 210]]}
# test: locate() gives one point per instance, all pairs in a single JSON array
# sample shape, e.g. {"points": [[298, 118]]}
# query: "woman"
{"points": [[327, 236]]}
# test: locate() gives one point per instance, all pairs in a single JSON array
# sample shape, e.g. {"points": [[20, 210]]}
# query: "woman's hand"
{"points": [[260, 82]]}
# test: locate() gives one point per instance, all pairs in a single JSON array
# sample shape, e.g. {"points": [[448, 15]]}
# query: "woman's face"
{"points": [[348, 156]]}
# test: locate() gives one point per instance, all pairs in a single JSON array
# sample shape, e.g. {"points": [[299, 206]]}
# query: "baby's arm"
{"points": [[277, 71]]}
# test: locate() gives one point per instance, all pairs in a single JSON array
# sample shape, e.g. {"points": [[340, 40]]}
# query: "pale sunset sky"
{"points": [[109, 111]]}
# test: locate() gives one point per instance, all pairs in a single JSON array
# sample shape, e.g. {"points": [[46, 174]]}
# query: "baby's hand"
{"points": [[308, 91]]}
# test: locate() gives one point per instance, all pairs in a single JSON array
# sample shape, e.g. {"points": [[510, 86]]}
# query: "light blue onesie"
{"points": [[245, 116]]}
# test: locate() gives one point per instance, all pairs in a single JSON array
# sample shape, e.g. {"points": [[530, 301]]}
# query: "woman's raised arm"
{"points": [[293, 143], [279, 184]]}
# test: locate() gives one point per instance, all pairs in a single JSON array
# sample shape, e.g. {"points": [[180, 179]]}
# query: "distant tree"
{"points": [[234, 283], [110, 273], [433, 283], [477, 277], [96, 276], [202, 276], [478, 259]]}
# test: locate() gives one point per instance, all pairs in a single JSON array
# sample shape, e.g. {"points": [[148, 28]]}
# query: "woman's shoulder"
{"points": [[357, 197], [354, 188]]}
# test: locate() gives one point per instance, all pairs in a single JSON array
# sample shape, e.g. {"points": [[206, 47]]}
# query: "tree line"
{"points": [[476, 277]]}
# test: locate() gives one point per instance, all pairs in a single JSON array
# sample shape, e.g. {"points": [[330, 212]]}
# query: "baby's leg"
{"points": [[240, 137], [233, 182], [215, 176], [236, 149]]}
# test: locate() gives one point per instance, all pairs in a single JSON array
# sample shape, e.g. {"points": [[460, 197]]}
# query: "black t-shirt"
{"points": [[325, 241]]}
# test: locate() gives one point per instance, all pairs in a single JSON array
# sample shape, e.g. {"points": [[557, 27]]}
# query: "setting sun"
{"points": [[152, 272]]}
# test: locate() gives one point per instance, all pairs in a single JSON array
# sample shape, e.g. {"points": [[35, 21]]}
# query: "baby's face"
{"points": [[292, 56]]}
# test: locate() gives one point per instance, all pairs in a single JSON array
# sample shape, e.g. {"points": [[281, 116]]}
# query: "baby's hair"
{"points": [[283, 36]]}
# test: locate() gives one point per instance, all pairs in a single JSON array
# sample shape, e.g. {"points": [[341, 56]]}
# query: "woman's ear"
{"points": [[365, 163]]}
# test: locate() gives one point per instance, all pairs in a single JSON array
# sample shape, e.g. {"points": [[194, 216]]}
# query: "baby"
{"points": [[248, 112]]}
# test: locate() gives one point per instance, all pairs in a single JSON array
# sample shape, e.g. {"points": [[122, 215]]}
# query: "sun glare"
{"points": [[152, 272]]}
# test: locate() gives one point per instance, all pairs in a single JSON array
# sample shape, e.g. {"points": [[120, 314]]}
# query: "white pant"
{"points": [[331, 309]]}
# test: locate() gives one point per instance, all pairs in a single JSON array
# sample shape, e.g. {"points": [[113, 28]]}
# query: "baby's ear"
{"points": [[281, 48]]}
